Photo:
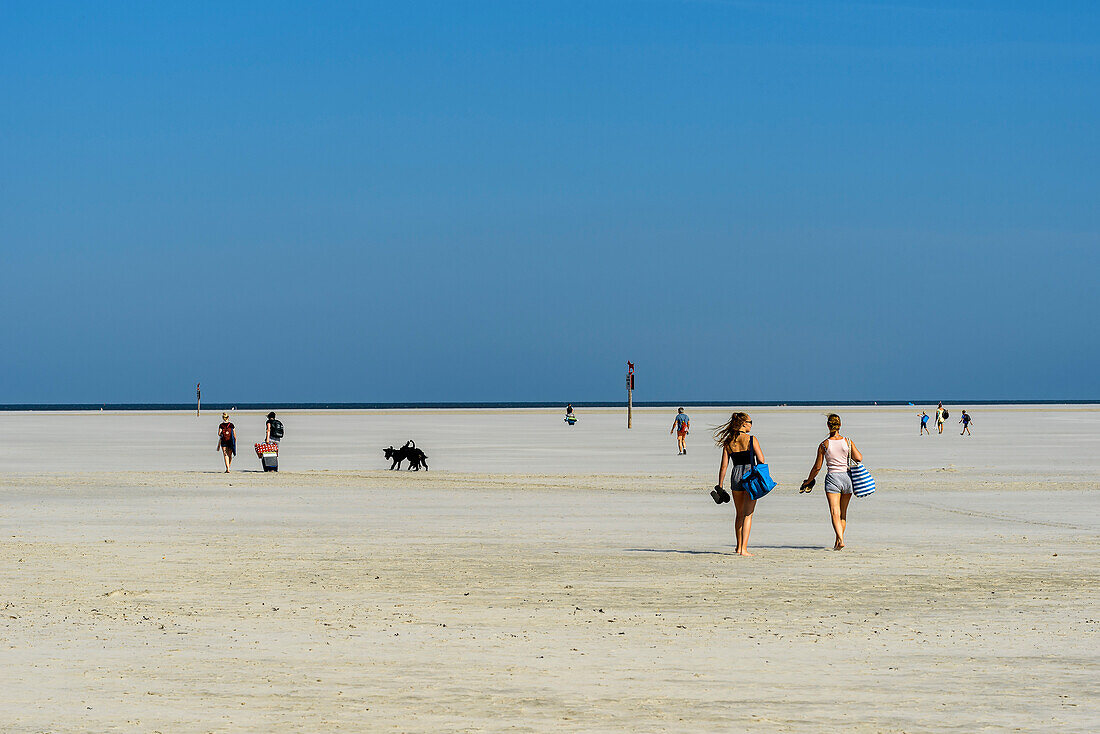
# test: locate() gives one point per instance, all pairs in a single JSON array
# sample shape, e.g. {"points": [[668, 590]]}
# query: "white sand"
{"points": [[544, 578]]}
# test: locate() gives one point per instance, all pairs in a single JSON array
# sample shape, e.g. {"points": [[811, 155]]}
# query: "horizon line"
{"points": [[407, 405]]}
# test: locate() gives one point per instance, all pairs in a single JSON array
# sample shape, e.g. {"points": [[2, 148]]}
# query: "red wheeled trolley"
{"points": [[269, 455]]}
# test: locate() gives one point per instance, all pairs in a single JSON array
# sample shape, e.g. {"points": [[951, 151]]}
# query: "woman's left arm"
{"points": [[856, 455], [759, 453]]}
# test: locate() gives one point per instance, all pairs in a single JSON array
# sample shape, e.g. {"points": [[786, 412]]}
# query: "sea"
{"points": [[67, 407]]}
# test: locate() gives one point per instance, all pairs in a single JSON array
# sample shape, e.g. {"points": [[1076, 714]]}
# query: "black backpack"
{"points": [[276, 429]]}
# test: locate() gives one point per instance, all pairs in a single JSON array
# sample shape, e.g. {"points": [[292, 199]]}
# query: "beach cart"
{"points": [[269, 455]]}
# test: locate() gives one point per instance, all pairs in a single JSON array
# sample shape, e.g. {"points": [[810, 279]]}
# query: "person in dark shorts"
{"points": [[923, 415], [680, 427], [227, 440], [965, 420]]}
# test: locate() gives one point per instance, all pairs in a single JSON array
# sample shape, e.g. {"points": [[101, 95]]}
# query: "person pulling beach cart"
{"points": [[269, 455]]}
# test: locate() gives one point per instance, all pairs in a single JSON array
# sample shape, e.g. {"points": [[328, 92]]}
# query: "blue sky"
{"points": [[506, 201]]}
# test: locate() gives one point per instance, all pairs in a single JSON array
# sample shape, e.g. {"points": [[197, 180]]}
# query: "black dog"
{"points": [[408, 452], [396, 456], [417, 458]]}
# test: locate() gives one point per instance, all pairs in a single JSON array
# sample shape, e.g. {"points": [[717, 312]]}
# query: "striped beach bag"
{"points": [[863, 484]]}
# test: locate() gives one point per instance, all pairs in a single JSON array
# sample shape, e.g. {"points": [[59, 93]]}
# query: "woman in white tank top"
{"points": [[835, 452]]}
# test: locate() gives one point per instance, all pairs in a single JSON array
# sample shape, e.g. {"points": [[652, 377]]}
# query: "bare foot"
{"points": [[839, 545], [745, 553]]}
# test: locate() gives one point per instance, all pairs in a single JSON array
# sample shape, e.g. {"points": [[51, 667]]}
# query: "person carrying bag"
{"points": [[749, 478], [845, 473]]}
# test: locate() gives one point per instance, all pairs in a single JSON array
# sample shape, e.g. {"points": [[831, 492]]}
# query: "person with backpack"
{"points": [[274, 431], [965, 420], [227, 440], [740, 451]]}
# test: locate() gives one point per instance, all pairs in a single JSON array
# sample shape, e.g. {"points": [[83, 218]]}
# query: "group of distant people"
{"points": [[942, 414], [740, 452], [227, 436]]}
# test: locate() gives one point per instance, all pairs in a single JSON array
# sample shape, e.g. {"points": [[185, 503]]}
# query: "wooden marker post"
{"points": [[198, 399], [629, 394]]}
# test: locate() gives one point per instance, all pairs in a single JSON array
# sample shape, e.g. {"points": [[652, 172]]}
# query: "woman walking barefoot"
{"points": [[835, 451], [738, 449]]}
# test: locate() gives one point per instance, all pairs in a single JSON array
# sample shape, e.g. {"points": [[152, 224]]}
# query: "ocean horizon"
{"points": [[53, 407]]}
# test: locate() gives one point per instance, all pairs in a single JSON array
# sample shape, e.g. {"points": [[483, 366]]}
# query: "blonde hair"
{"points": [[833, 422], [725, 434]]}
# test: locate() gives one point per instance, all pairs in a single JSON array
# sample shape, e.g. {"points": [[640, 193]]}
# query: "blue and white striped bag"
{"points": [[863, 484]]}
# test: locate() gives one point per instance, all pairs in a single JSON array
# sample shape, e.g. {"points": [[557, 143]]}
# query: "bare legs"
{"points": [[228, 456], [680, 443], [744, 505], [838, 509]]}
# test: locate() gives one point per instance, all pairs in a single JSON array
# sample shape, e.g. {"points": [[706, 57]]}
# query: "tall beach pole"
{"points": [[629, 394]]}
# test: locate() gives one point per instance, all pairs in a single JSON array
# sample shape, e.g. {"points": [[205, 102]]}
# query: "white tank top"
{"points": [[836, 455]]}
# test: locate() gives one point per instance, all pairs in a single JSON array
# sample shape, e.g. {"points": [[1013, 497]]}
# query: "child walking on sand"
{"points": [[924, 423]]}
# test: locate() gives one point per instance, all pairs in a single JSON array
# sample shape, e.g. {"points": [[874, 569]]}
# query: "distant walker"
{"points": [[680, 426]]}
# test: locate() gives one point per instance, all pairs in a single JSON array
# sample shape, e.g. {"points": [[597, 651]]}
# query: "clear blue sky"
{"points": [[411, 201]]}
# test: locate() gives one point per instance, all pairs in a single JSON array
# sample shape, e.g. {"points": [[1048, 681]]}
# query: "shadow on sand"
{"points": [[231, 472], [724, 553], [676, 550]]}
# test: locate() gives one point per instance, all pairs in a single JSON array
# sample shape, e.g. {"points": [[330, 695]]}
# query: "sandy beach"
{"points": [[545, 578]]}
